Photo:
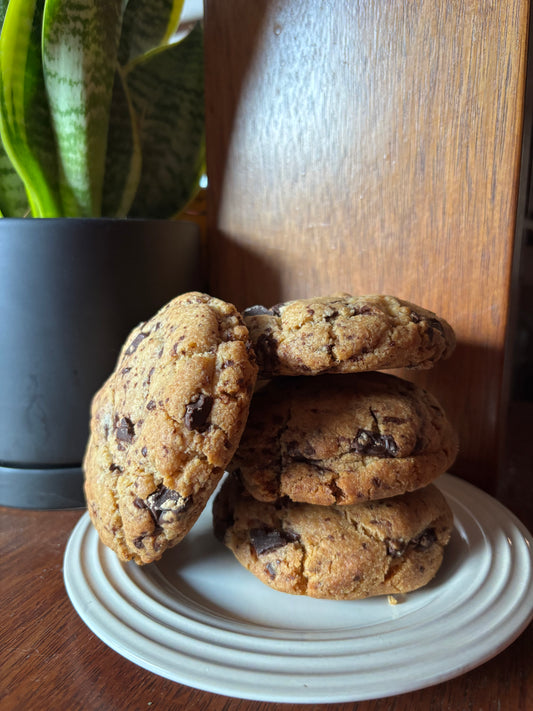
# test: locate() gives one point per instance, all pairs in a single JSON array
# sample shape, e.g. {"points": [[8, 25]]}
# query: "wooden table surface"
{"points": [[51, 660]]}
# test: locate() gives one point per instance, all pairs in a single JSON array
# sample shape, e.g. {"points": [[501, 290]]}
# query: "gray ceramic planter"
{"points": [[70, 292]]}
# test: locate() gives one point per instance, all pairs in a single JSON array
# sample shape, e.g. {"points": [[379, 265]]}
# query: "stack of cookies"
{"points": [[331, 462], [330, 490]]}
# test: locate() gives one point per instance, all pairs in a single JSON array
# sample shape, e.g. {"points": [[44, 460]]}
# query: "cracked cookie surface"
{"points": [[166, 423], [343, 334], [342, 439], [352, 552]]}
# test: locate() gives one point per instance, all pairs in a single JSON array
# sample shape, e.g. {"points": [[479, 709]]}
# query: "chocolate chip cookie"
{"points": [[342, 439], [166, 423], [345, 334], [343, 553]]}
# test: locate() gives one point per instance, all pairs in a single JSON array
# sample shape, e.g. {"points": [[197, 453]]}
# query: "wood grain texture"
{"points": [[374, 147]]}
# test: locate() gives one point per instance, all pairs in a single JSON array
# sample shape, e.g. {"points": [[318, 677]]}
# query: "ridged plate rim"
{"points": [[198, 618]]}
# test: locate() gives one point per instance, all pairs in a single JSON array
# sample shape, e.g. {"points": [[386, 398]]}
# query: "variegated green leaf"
{"points": [[123, 159], [24, 118], [148, 25], [80, 46], [13, 200], [167, 93]]}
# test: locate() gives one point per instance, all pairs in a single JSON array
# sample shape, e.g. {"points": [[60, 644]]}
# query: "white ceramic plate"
{"points": [[199, 618]]}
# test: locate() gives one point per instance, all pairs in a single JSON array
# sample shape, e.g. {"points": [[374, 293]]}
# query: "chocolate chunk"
{"points": [[197, 413], [135, 343], [360, 310], [165, 504], [426, 539], [331, 315], [125, 430], [257, 310], [375, 444], [434, 325], [265, 540], [395, 547]]}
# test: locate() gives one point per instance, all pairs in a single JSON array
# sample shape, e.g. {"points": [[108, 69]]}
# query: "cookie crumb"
{"points": [[395, 599]]}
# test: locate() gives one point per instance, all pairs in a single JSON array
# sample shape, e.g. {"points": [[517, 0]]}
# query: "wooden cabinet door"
{"points": [[374, 147]]}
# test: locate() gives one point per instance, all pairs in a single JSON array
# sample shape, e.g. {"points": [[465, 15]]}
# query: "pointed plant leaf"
{"points": [[13, 199], [147, 25], [123, 160], [25, 126], [80, 46], [167, 93]]}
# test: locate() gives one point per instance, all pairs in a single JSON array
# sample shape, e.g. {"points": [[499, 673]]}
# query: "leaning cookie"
{"points": [[343, 439], [344, 334], [341, 553], [166, 423]]}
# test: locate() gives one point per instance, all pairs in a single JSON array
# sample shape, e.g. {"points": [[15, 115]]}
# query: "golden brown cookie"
{"points": [[343, 553], [342, 439], [346, 334], [166, 423]]}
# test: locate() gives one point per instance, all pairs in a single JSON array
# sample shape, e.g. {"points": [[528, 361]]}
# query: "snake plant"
{"points": [[101, 108]]}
